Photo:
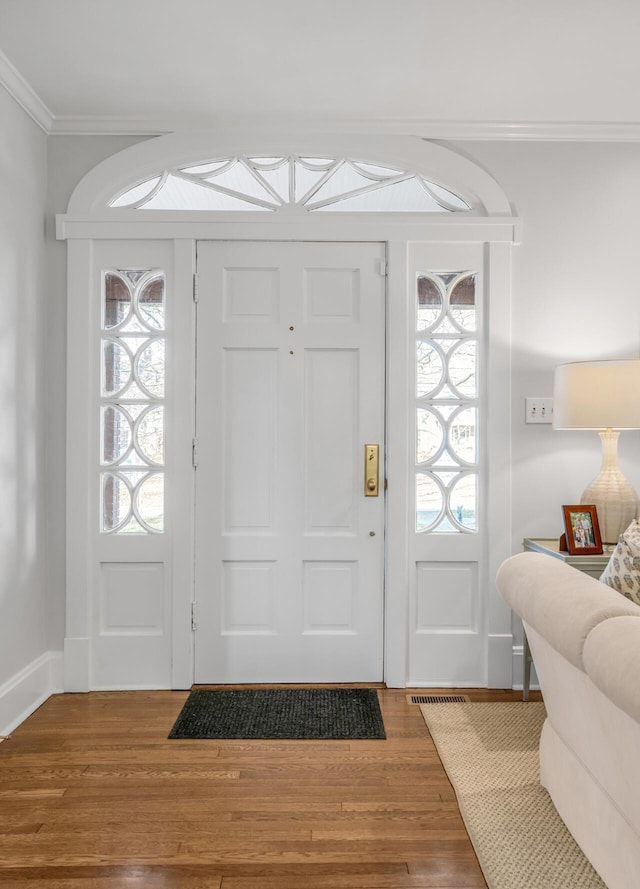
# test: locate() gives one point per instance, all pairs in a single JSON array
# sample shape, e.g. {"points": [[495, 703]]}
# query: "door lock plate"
{"points": [[371, 470]]}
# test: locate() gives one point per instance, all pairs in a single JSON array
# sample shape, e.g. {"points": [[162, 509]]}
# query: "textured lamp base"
{"points": [[614, 496]]}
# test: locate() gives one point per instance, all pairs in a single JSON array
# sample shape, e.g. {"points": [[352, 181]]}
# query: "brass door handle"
{"points": [[371, 470]]}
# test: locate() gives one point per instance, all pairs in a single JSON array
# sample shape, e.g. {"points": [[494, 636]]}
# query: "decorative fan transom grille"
{"points": [[271, 183]]}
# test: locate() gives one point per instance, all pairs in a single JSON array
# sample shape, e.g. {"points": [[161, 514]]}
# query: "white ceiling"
{"points": [[126, 65]]}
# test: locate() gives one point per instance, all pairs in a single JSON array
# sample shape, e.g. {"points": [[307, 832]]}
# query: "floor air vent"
{"points": [[437, 699]]}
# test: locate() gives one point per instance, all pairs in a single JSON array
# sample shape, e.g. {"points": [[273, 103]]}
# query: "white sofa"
{"points": [[585, 641]]}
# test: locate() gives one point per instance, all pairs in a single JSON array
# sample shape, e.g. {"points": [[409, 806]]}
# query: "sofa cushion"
{"points": [[558, 601], [612, 661], [623, 570]]}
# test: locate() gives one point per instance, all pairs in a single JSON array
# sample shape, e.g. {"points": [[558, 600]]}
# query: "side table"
{"points": [[591, 565]]}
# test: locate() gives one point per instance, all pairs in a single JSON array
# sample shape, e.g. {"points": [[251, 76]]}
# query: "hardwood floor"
{"points": [[94, 796]]}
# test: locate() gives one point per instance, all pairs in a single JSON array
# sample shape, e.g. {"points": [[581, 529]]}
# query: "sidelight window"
{"points": [[446, 451], [132, 401]]}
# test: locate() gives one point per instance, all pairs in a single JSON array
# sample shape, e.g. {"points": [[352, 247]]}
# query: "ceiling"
{"points": [[155, 65]]}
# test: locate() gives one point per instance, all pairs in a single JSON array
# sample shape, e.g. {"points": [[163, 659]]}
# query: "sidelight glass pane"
{"points": [[429, 303], [116, 367], [116, 502], [462, 368], [462, 435], [150, 368], [463, 499], [429, 501], [150, 501], [429, 434], [447, 414], [131, 417], [429, 368], [462, 303], [116, 303], [151, 304], [150, 435], [116, 434]]}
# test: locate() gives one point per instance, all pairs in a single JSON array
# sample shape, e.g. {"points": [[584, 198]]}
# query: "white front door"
{"points": [[290, 389]]}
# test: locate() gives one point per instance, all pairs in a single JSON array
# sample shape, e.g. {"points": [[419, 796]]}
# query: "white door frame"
{"points": [[89, 221]]}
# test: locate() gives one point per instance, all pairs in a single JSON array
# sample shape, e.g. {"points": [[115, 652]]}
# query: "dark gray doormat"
{"points": [[299, 713]]}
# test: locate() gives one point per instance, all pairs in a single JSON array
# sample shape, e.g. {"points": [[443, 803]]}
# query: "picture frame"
{"points": [[582, 530]]}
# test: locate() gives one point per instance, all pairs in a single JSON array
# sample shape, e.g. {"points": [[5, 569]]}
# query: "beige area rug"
{"points": [[490, 754]]}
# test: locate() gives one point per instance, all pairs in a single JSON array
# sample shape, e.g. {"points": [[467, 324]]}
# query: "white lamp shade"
{"points": [[597, 395]]}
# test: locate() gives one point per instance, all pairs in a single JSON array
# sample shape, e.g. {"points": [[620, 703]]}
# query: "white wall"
{"points": [[37, 175], [576, 295], [23, 434]]}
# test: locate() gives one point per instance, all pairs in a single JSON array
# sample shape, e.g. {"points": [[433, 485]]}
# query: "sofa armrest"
{"points": [[612, 662], [561, 603]]}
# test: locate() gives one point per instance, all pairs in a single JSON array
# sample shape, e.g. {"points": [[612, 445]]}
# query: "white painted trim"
{"points": [[77, 660], [441, 684], [80, 391], [399, 382], [90, 218], [89, 652], [179, 442], [133, 687], [24, 95], [458, 130], [30, 687], [328, 227], [499, 466], [499, 659]]}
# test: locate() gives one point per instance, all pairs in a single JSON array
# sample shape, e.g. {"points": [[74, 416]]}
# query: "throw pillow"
{"points": [[623, 571]]}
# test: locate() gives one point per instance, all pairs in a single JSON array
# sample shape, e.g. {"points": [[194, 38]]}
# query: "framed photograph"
{"points": [[582, 530]]}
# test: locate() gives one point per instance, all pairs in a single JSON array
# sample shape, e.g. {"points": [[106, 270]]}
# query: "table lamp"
{"points": [[605, 396]]}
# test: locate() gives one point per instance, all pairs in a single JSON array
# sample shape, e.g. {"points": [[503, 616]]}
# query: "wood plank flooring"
{"points": [[94, 796]]}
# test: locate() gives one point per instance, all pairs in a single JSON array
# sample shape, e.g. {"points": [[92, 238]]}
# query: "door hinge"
{"points": [[194, 453], [194, 617], [383, 268], [195, 287]]}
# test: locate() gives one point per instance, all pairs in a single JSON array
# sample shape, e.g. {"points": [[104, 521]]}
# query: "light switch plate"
{"points": [[538, 410]]}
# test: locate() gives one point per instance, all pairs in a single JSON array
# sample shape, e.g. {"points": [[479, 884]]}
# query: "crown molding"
{"points": [[498, 131], [450, 130], [531, 131], [25, 96]]}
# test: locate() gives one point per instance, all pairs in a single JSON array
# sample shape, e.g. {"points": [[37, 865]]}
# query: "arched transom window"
{"points": [[274, 183]]}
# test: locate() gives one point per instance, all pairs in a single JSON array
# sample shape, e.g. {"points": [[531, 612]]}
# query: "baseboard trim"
{"points": [[499, 660], [76, 664], [134, 687], [21, 695]]}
